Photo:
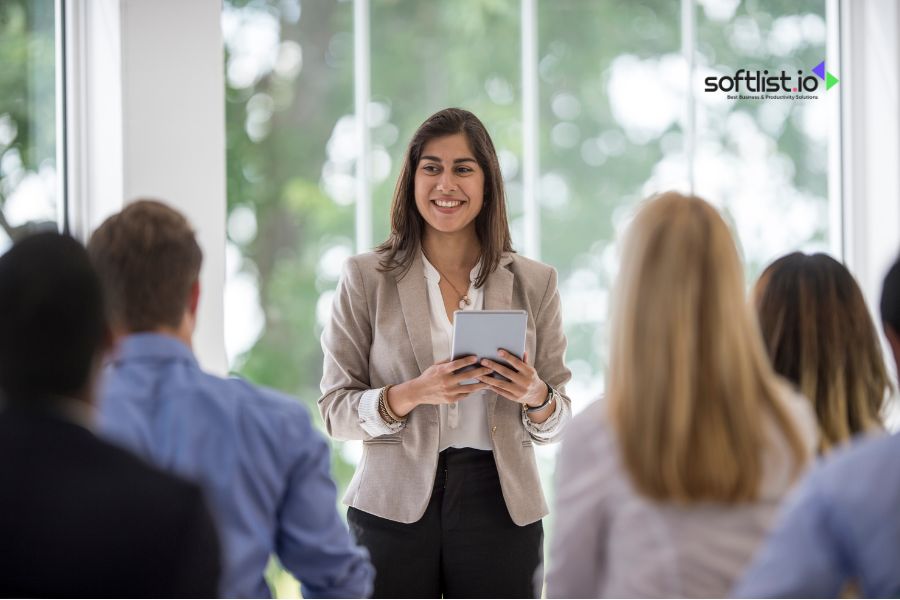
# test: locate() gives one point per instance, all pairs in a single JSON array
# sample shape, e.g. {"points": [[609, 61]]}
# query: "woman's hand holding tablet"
{"points": [[441, 383], [520, 383], [497, 338]]}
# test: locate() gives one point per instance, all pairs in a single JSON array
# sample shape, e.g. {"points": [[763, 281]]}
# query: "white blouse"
{"points": [[464, 424]]}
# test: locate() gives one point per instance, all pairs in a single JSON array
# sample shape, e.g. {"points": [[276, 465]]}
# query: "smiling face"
{"points": [[449, 186]]}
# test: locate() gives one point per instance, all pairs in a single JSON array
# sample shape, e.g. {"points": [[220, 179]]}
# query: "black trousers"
{"points": [[464, 546]]}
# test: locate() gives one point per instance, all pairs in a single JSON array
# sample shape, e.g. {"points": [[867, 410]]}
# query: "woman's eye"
{"points": [[465, 170], [430, 168]]}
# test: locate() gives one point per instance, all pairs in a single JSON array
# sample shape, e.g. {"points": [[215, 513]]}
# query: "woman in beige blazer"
{"points": [[447, 496]]}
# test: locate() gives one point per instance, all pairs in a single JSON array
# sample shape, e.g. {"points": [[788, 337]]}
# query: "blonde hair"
{"points": [[690, 386], [820, 336]]}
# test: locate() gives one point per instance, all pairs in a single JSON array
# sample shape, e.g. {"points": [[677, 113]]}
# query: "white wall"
{"points": [[870, 151], [148, 108]]}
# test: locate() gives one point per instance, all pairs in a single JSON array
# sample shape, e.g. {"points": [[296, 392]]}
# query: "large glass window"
{"points": [[621, 113], [289, 111], [426, 56], [613, 84], [28, 181], [764, 162]]}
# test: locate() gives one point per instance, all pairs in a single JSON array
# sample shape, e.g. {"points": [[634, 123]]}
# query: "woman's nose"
{"points": [[447, 182]]}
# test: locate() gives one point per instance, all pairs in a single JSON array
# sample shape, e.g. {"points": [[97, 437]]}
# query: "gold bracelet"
{"points": [[382, 411], [387, 407], [385, 410]]}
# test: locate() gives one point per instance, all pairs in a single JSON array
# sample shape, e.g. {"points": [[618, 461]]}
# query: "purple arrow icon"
{"points": [[820, 70]]}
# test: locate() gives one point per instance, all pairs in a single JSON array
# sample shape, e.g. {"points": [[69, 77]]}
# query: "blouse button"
{"points": [[494, 429]]}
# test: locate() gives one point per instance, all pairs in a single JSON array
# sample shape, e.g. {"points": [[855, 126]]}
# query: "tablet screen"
{"points": [[482, 332]]}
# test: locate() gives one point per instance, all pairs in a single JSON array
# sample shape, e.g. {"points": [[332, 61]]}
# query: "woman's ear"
{"points": [[194, 298]]}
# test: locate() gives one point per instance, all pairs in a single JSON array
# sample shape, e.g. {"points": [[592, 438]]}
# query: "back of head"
{"points": [[148, 260], [890, 298], [890, 308], [52, 324], [689, 383], [810, 312]]}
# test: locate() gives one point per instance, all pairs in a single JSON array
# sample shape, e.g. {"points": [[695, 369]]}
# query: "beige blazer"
{"points": [[379, 334]]}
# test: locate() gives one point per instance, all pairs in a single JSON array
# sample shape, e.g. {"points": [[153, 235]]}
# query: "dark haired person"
{"points": [[447, 496], [811, 311], [264, 468], [841, 527], [80, 517]]}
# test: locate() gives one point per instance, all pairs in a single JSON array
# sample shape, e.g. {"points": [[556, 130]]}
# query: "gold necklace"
{"points": [[464, 300]]}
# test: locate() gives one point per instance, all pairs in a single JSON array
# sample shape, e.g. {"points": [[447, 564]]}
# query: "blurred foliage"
{"points": [[287, 127], [27, 96], [278, 177], [426, 55]]}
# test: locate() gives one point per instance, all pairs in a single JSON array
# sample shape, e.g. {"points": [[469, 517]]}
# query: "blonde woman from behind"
{"points": [[666, 487]]}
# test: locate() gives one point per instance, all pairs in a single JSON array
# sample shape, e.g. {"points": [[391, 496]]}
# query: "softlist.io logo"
{"points": [[762, 85], [829, 79]]}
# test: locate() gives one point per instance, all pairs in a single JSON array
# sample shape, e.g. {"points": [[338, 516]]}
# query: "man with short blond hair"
{"points": [[263, 466]]}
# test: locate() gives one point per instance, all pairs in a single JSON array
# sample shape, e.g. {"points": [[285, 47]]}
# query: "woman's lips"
{"points": [[447, 205]]}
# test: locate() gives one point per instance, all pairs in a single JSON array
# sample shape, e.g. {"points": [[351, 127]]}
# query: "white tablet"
{"points": [[482, 332]]}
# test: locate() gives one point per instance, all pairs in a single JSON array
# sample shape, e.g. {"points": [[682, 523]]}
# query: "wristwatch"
{"points": [[551, 395]]}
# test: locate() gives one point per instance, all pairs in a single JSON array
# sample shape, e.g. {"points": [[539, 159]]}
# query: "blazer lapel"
{"points": [[498, 288], [414, 307], [498, 291]]}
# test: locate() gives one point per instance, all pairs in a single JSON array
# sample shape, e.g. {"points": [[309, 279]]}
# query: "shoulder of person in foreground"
{"points": [[837, 526], [148, 529], [584, 466], [802, 416], [173, 512], [312, 541]]}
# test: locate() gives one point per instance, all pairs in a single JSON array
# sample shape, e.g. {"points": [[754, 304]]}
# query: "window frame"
{"points": [[103, 36]]}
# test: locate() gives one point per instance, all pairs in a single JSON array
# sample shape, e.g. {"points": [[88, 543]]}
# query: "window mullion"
{"points": [[689, 51], [530, 141], [361, 96]]}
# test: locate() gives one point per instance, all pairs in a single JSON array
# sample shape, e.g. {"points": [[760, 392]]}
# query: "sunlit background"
{"points": [[620, 114], [28, 181], [613, 93]]}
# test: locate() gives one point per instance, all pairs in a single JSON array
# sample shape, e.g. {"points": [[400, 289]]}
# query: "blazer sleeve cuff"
{"points": [[548, 430], [370, 420]]}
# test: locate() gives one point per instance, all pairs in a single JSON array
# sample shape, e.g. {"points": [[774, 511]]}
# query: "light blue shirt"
{"points": [[263, 466], [841, 526]]}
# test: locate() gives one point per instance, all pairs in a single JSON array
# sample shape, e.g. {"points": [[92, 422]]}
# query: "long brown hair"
{"points": [[408, 226], [820, 336], [690, 387]]}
